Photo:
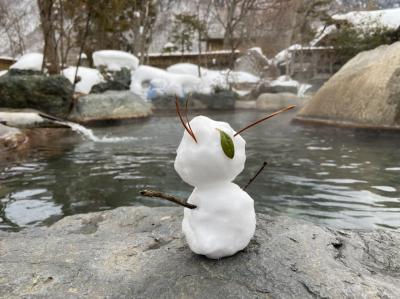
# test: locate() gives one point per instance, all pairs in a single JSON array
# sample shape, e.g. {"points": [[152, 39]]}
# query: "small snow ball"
{"points": [[206, 162]]}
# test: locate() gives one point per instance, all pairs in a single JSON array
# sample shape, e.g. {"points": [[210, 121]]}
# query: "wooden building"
{"points": [[6, 62], [209, 59], [311, 62]]}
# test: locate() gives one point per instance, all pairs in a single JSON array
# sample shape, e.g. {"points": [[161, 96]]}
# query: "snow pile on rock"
{"points": [[289, 82], [213, 78], [21, 119], [147, 79], [88, 78], [224, 220], [114, 60], [30, 61]]}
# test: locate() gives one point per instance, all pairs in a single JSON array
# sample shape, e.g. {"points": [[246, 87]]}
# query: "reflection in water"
{"points": [[344, 178]]}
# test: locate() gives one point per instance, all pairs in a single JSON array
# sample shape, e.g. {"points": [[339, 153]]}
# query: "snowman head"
{"points": [[213, 155], [211, 151]]}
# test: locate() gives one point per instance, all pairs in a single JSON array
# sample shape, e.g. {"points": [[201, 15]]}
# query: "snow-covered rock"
{"points": [[211, 79], [114, 60], [21, 119], [88, 78], [146, 79], [30, 61]]}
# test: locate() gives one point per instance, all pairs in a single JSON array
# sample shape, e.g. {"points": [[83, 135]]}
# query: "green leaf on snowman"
{"points": [[227, 144]]}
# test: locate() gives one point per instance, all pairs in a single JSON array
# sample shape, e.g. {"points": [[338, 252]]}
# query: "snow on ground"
{"points": [[114, 60], [385, 17], [30, 61], [150, 81], [89, 77], [3, 72]]}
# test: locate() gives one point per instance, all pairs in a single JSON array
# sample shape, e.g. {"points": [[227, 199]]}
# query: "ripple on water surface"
{"points": [[343, 178]]}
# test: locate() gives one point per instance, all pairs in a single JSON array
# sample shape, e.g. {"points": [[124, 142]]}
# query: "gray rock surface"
{"points": [[365, 92], [139, 252], [221, 100], [50, 94], [276, 101], [111, 105]]}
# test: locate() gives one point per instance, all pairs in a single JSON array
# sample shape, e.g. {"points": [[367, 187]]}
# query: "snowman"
{"points": [[209, 157]]}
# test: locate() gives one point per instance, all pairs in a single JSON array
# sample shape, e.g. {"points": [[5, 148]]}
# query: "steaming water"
{"points": [[336, 177]]}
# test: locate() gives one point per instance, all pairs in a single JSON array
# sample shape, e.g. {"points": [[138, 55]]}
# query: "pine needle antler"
{"points": [[187, 127], [263, 119]]}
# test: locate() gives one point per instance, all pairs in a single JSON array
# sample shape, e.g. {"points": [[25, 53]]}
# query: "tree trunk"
{"points": [[50, 53]]}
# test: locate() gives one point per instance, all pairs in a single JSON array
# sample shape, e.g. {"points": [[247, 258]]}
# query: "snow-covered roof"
{"points": [[385, 17], [195, 53]]}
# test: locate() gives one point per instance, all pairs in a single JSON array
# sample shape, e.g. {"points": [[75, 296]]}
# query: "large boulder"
{"points": [[140, 252], [119, 80], [276, 101], [364, 93], [50, 94], [111, 105]]}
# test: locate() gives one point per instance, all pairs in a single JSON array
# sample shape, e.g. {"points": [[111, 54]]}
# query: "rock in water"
{"points": [[11, 139], [276, 101], [140, 252], [50, 94], [364, 93], [111, 105]]}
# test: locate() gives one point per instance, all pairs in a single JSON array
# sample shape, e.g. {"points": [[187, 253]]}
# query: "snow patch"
{"points": [[30, 61], [114, 60], [89, 77]]}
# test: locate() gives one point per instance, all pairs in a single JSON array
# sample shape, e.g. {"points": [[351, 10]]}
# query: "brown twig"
{"points": [[265, 118], [178, 111], [187, 120], [153, 193], [256, 175]]}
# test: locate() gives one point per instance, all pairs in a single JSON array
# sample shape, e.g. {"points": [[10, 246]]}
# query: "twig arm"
{"points": [[256, 175], [153, 193]]}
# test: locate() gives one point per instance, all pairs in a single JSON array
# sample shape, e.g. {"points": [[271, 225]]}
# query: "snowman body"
{"points": [[224, 220]]}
